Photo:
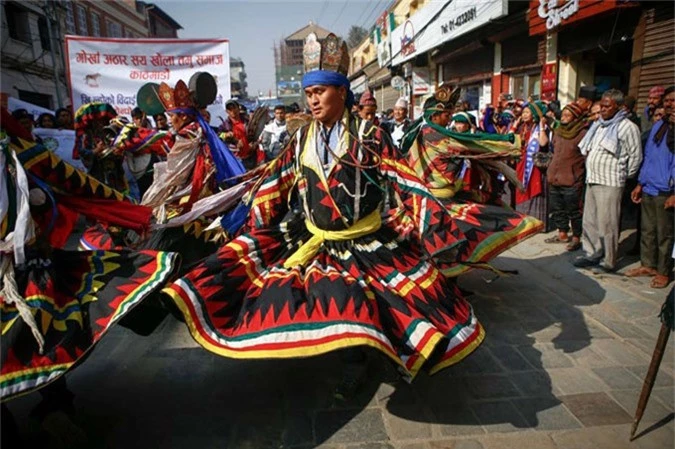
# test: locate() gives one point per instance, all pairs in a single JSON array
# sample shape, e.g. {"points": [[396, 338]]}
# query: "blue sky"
{"points": [[253, 26]]}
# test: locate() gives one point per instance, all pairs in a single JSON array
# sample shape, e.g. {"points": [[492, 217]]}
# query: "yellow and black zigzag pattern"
{"points": [[61, 176]]}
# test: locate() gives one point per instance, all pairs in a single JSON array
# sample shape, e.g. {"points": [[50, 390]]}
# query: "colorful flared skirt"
{"points": [[373, 291], [488, 230], [192, 241], [74, 297]]}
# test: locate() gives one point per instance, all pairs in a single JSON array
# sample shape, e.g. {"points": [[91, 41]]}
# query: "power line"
{"points": [[369, 17], [323, 9], [340, 14]]}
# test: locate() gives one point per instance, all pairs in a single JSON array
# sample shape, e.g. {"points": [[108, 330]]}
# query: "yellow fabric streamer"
{"points": [[447, 192], [363, 227]]}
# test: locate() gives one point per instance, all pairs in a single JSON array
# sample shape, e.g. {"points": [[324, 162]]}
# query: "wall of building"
{"points": [[111, 14], [33, 72], [159, 28], [27, 60], [653, 61]]}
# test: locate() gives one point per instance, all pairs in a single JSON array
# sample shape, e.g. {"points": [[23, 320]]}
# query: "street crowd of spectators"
{"points": [[61, 119], [578, 163]]}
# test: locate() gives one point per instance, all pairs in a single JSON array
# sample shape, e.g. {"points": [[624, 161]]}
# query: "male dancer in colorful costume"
{"points": [[335, 272], [461, 169], [197, 163]]}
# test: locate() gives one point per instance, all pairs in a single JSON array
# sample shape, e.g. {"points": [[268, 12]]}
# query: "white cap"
{"points": [[401, 103]]}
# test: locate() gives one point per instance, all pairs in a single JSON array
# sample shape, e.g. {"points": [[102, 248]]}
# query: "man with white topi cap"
{"points": [[399, 126]]}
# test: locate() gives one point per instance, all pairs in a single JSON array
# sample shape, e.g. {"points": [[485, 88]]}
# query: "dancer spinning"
{"points": [[55, 305], [462, 170], [332, 273], [198, 161]]}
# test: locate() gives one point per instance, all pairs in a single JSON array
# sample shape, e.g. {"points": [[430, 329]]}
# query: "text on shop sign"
{"points": [[554, 14], [460, 20]]}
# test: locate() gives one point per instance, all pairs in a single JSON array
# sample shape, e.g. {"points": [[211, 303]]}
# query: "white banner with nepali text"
{"points": [[112, 70]]}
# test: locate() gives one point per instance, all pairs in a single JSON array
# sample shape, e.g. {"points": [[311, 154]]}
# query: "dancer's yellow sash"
{"points": [[361, 228]]}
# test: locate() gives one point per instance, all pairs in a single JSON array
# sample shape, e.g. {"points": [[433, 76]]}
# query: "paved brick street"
{"points": [[561, 367]]}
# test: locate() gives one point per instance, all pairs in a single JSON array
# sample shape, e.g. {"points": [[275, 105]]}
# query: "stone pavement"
{"points": [[561, 367]]}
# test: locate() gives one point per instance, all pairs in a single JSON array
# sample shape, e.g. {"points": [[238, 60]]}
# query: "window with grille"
{"points": [[43, 28], [128, 33], [36, 98], [524, 86], [17, 22], [82, 29], [70, 18], [114, 29], [95, 24]]}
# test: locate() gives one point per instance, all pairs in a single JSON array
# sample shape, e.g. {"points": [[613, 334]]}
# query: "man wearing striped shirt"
{"points": [[613, 154]]}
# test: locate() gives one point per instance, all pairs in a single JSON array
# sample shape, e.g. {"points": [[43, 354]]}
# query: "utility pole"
{"points": [[49, 13]]}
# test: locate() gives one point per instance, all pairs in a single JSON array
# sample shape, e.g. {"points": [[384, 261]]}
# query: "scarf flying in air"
{"points": [[227, 165]]}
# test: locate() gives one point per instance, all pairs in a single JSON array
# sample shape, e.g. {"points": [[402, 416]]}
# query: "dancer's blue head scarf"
{"points": [[329, 78]]}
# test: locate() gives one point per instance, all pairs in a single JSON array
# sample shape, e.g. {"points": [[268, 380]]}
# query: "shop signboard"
{"points": [[384, 51], [290, 88], [421, 84], [549, 15], [359, 85], [440, 22], [549, 81]]}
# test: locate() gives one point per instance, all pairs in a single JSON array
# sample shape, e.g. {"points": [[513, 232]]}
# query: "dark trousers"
{"points": [[656, 242], [565, 207]]}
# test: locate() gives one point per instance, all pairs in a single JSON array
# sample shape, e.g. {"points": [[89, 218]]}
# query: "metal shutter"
{"points": [[658, 58]]}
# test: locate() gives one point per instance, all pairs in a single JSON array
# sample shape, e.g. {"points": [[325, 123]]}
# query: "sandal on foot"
{"points": [[573, 246], [640, 271], [555, 239], [660, 281]]}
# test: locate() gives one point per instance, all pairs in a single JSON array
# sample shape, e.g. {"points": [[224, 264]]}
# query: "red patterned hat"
{"points": [[367, 99], [575, 109], [178, 97]]}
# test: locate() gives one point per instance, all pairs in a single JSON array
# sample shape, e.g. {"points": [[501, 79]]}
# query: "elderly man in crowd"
{"points": [[656, 196], [400, 124], [613, 154]]}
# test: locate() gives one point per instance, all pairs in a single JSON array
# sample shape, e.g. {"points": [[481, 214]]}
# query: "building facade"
{"points": [[626, 45], [371, 61], [32, 54], [33, 58], [159, 23], [289, 63], [541, 49], [238, 84]]}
